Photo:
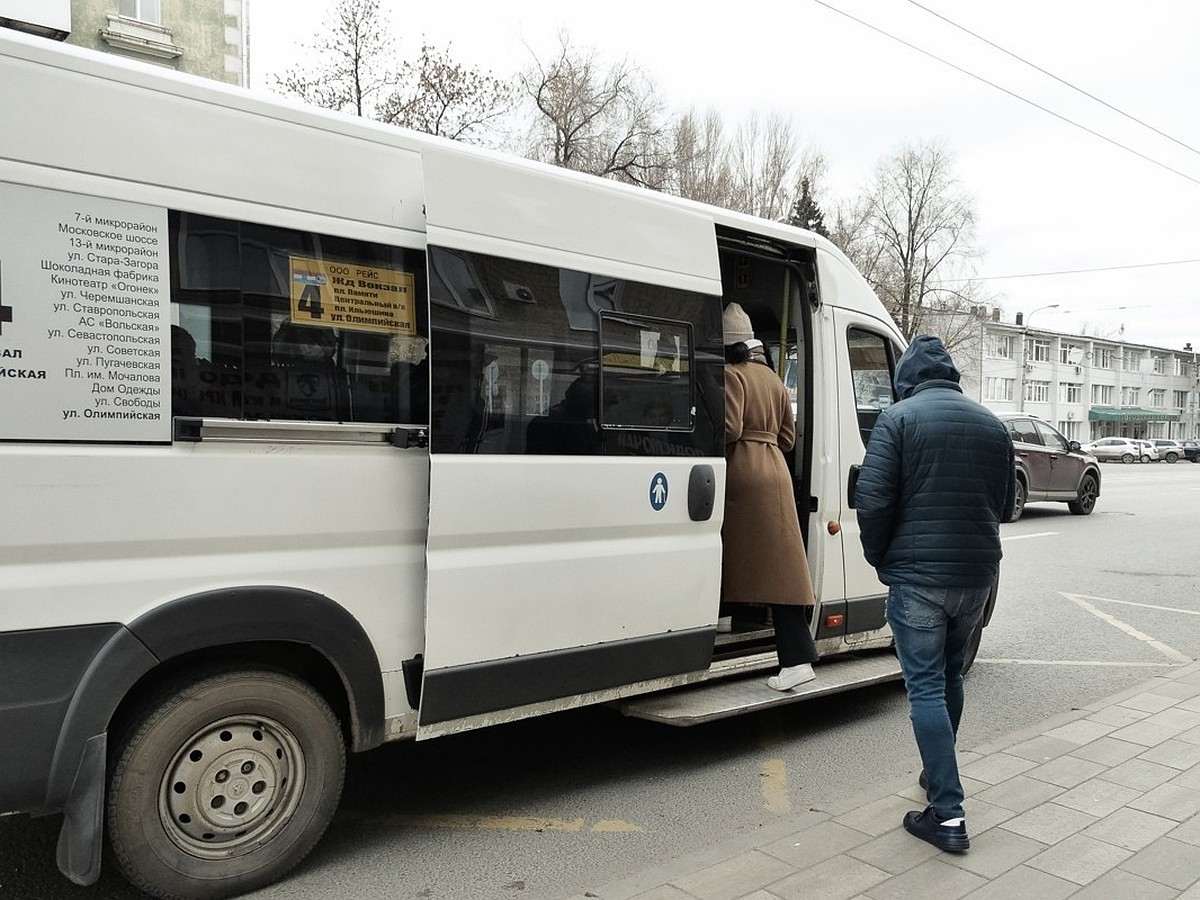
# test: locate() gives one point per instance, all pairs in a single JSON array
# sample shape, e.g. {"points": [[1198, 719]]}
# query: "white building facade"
{"points": [[1087, 387]]}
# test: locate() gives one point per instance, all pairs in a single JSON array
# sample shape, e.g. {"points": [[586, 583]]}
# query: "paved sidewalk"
{"points": [[1101, 802]]}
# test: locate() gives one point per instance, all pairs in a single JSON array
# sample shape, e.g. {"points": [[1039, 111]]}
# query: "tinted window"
{"points": [[272, 323], [1050, 437], [530, 358]]}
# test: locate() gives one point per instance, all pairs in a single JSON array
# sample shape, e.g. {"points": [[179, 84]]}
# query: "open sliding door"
{"points": [[576, 441]]}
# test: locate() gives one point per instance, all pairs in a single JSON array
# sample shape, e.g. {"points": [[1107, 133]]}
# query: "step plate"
{"points": [[727, 697]]}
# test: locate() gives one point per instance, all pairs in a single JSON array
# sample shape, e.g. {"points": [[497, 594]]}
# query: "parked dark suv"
{"points": [[1050, 467]]}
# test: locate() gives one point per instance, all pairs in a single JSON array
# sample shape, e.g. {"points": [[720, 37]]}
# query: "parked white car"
{"points": [[1171, 451], [1127, 450]]}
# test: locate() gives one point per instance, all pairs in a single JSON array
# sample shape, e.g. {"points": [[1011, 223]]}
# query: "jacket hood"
{"points": [[926, 359]]}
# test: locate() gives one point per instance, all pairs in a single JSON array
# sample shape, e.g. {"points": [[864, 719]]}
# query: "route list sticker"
{"points": [[84, 318]]}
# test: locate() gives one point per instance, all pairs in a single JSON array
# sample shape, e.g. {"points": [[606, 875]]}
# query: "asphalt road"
{"points": [[544, 809]]}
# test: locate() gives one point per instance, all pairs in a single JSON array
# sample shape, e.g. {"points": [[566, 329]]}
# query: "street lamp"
{"points": [[1026, 365]]}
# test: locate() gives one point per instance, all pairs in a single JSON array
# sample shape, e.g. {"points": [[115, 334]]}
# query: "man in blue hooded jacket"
{"points": [[937, 481]]}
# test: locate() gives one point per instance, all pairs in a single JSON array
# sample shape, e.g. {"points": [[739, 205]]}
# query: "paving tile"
{"points": [[1049, 823], [733, 877], [837, 878], [1083, 731], [1188, 779], [815, 844], [982, 815], [894, 852], [930, 879], [879, 816], [994, 852], [1117, 715], [1097, 797], [1182, 690], [1168, 862], [1192, 703], [1170, 801], [1108, 751], [670, 892], [1067, 771], [1130, 828], [1080, 859], [996, 767], [1043, 748], [1179, 719], [1139, 774], [1192, 736], [1188, 832], [1145, 733], [1020, 793], [763, 894], [1024, 883], [1174, 753], [1117, 884], [1149, 702]]}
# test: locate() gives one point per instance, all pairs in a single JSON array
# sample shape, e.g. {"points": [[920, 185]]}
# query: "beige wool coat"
{"points": [[763, 559]]}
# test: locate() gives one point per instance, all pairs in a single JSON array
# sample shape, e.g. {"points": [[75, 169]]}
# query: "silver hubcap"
{"points": [[231, 785]]}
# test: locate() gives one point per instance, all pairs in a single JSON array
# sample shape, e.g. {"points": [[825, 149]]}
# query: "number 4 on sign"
{"points": [[310, 301]]}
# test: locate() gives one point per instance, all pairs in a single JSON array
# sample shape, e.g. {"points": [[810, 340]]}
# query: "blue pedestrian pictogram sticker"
{"points": [[658, 491]]}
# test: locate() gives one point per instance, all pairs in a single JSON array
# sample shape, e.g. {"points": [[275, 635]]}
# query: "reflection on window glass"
{"points": [[272, 323], [528, 358], [871, 372], [142, 10], [645, 373]]}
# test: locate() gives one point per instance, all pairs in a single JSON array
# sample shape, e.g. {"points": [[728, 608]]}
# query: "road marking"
{"points": [[773, 778], [1079, 662], [1021, 537], [512, 823], [1162, 648], [1185, 612]]}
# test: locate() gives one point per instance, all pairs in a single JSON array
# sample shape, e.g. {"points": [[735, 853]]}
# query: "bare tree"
{"points": [[915, 242], [699, 157], [352, 61], [764, 155], [605, 120], [440, 96]]}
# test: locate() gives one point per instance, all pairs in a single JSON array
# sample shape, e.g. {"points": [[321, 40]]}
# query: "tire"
{"points": [[1127, 458], [1145, 459], [1089, 490], [1019, 505], [1172, 457], [222, 783]]}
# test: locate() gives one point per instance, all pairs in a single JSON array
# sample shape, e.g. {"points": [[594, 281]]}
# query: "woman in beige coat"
{"points": [[764, 561]]}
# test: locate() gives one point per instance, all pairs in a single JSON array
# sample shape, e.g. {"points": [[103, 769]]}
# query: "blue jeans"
{"points": [[932, 627]]}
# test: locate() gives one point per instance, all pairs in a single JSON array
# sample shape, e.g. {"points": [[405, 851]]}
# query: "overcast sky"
{"points": [[1050, 197]]}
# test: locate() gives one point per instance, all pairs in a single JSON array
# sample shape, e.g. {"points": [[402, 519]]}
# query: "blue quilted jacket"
{"points": [[937, 480]]}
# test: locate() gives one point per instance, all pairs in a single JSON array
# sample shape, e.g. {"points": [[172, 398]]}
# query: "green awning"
{"points": [[1129, 414]]}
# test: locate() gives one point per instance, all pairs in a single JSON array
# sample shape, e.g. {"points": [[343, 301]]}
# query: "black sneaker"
{"points": [[950, 836]]}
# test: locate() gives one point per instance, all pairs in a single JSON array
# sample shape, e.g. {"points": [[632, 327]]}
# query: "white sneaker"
{"points": [[725, 625], [791, 677]]}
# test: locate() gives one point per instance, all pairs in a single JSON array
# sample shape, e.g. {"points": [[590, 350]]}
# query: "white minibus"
{"points": [[318, 434]]}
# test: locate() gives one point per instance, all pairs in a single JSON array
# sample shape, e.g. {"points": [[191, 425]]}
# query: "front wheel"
{"points": [[1089, 490], [1019, 505], [222, 783], [1127, 458], [1145, 459], [1172, 457]]}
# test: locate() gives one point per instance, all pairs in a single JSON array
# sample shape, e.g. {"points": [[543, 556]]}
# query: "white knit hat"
{"points": [[736, 324]]}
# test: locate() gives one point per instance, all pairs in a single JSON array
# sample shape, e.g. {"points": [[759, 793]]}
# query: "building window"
{"points": [[1103, 358], [1181, 398], [1069, 392], [1178, 366], [1037, 391], [1002, 346], [1130, 396], [998, 388], [1131, 361], [1102, 394], [1158, 398], [142, 10], [1070, 354], [1160, 365], [1041, 351], [1069, 429]]}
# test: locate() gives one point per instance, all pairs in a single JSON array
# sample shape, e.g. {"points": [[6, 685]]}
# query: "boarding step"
{"points": [[720, 699]]}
